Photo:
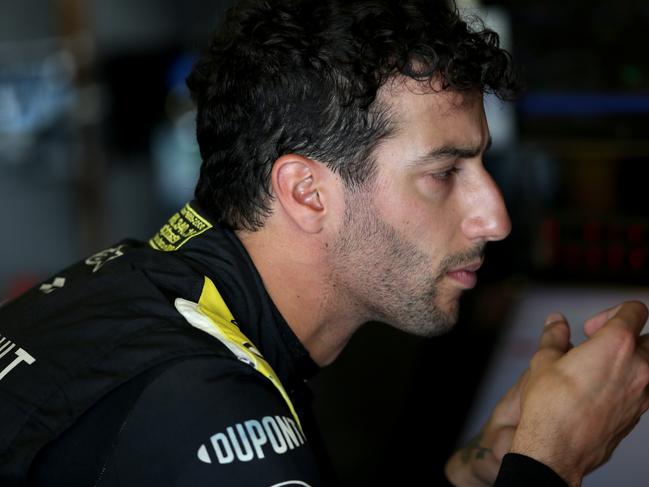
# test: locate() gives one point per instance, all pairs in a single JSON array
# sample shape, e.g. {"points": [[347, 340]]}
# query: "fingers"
{"points": [[630, 316], [568, 395], [556, 333], [593, 325], [554, 341]]}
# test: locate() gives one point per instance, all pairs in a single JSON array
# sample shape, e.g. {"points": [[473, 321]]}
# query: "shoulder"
{"points": [[210, 419], [207, 384]]}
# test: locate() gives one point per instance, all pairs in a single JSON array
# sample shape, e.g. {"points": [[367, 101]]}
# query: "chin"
{"points": [[434, 324], [427, 315]]}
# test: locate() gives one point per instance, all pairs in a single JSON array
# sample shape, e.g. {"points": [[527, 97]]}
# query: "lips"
{"points": [[466, 275], [471, 267]]}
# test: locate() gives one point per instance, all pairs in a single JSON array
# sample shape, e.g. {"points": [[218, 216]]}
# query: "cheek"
{"points": [[406, 205], [431, 226], [429, 219], [427, 232]]}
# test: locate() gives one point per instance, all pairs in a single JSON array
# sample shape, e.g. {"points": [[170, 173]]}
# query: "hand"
{"points": [[578, 403], [478, 462]]}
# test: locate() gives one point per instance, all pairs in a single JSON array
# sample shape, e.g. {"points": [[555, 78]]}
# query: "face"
{"points": [[412, 240]]}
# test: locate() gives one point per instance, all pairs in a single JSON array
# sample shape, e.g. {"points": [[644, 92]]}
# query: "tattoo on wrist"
{"points": [[474, 449]]}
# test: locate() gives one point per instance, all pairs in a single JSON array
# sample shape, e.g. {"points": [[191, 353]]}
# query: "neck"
{"points": [[298, 281]]}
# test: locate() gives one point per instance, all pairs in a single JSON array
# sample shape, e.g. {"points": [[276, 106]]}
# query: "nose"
{"points": [[486, 216]]}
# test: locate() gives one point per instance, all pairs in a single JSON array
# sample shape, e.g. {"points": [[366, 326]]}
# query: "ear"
{"points": [[298, 184]]}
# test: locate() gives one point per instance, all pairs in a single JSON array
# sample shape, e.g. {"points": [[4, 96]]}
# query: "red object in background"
{"points": [[607, 248], [19, 285]]}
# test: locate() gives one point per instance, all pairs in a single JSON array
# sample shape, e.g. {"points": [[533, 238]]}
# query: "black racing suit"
{"points": [[164, 362]]}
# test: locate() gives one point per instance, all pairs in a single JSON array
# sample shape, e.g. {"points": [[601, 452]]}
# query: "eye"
{"points": [[446, 175]]}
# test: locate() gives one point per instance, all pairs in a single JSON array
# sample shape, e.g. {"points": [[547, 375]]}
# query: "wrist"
{"points": [[553, 458]]}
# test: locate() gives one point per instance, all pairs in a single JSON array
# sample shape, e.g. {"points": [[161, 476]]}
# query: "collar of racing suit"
{"points": [[219, 255]]}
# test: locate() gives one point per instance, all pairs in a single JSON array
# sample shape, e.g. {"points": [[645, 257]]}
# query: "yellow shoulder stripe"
{"points": [[212, 315]]}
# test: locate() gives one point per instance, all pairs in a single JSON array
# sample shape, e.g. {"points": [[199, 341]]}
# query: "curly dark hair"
{"points": [[301, 76]]}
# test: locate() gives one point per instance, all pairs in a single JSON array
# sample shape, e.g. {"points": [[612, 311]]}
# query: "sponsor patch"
{"points": [[181, 227], [12, 360], [49, 287], [252, 440], [98, 260]]}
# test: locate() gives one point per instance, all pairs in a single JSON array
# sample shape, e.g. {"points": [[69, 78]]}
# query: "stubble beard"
{"points": [[388, 279]]}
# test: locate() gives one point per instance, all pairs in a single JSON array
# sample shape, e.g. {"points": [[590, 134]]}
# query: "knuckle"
{"points": [[541, 357], [622, 339]]}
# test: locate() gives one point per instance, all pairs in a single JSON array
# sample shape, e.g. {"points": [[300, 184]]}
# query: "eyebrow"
{"points": [[451, 152]]}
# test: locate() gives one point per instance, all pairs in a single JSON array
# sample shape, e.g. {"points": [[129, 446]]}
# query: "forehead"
{"points": [[419, 110]]}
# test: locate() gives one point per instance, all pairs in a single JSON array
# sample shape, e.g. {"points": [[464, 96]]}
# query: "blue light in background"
{"points": [[584, 104]]}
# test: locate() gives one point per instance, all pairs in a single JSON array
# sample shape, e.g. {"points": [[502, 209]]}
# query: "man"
{"points": [[342, 182]]}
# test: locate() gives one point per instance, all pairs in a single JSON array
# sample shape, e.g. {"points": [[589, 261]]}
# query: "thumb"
{"points": [[555, 338], [595, 323]]}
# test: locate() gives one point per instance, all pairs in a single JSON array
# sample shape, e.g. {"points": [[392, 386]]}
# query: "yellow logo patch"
{"points": [[181, 227]]}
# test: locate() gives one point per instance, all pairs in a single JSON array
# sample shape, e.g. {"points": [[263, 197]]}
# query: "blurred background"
{"points": [[97, 143]]}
